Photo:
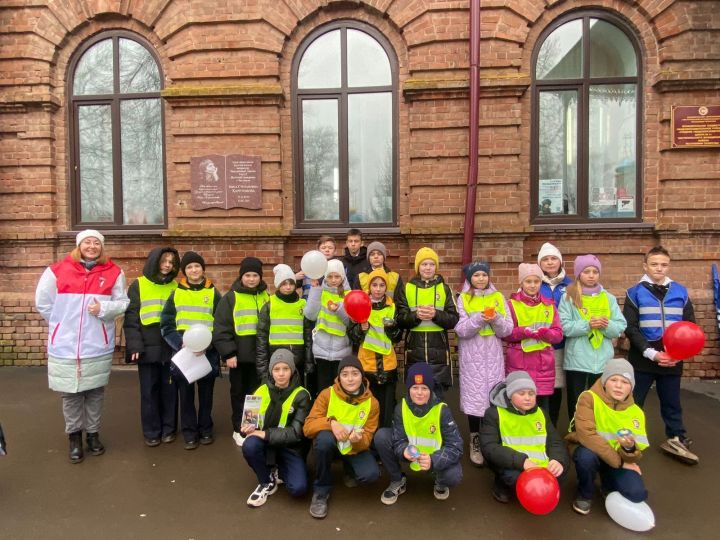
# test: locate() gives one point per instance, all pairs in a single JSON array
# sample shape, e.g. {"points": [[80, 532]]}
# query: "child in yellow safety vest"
{"points": [[536, 328], [235, 334], [282, 325], [375, 339], [424, 434], [193, 302], [517, 435], [608, 436], [377, 255], [591, 319], [330, 342]]}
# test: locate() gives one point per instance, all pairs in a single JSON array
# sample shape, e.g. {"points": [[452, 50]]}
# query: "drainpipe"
{"points": [[469, 226]]}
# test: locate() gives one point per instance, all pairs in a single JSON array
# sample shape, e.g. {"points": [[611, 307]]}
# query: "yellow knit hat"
{"points": [[423, 254]]}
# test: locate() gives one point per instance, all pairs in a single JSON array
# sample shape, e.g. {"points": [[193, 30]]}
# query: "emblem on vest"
{"points": [[584, 310], [538, 425], [433, 429], [361, 415], [437, 296], [547, 313], [636, 423], [300, 311], [206, 299]]}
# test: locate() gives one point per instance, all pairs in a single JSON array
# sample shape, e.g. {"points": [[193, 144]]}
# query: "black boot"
{"points": [[94, 446], [76, 448]]}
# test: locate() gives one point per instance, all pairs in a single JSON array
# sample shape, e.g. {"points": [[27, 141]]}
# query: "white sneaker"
{"points": [[678, 448], [441, 492], [476, 457], [238, 438], [259, 496]]}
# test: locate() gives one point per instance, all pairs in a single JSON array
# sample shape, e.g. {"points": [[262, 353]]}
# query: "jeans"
{"points": [[291, 465], [668, 389], [158, 400], [627, 482], [363, 465]]}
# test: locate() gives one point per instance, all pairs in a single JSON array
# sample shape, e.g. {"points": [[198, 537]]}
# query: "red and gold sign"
{"points": [[695, 126]]}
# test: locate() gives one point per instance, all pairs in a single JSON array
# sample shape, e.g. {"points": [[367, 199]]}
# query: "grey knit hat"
{"points": [[282, 356], [377, 246], [519, 380], [618, 366]]}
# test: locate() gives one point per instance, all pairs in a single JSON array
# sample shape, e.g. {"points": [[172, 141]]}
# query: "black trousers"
{"points": [[576, 382], [158, 400], [243, 381], [196, 422], [385, 394]]}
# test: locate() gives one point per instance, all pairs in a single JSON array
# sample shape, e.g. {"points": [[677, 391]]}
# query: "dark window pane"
{"points": [[370, 154], [320, 159], [138, 70], [320, 64], [560, 56], [142, 167], [368, 64], [611, 53], [611, 167], [96, 163], [94, 71], [557, 193]]}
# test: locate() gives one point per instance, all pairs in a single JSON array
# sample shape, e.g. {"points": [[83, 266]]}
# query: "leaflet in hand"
{"points": [[192, 367], [251, 412]]}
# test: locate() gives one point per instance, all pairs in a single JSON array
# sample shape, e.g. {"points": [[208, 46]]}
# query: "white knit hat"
{"points": [[336, 266], [282, 272], [89, 233], [548, 249]]}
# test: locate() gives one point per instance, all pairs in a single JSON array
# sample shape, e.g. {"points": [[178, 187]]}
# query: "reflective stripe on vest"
{"points": [[525, 433], [392, 281], [596, 305], [152, 299], [194, 307], [423, 432], [478, 303], [655, 316], [245, 313], [286, 322], [327, 321], [533, 317], [430, 296], [264, 393], [350, 416], [608, 421], [376, 340]]}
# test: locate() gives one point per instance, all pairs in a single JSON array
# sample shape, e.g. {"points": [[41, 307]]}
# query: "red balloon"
{"points": [[683, 339], [357, 306], [538, 491]]}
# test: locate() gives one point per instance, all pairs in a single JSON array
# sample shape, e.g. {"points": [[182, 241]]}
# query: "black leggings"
{"points": [[474, 423]]}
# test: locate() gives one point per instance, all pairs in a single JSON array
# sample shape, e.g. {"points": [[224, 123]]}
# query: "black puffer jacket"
{"points": [[291, 436], [430, 347], [355, 264], [147, 340], [225, 340]]}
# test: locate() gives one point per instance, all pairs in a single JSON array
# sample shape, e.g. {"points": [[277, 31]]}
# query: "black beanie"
{"points": [[350, 361], [191, 257], [251, 264]]}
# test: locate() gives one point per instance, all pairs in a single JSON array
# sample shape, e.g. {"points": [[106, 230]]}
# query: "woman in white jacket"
{"points": [[80, 297]]}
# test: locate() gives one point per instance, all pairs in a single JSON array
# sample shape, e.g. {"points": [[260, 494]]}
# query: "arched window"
{"points": [[344, 112], [586, 118], [116, 134]]}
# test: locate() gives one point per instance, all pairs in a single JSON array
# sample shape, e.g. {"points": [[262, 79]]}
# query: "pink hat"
{"points": [[527, 269], [583, 261]]}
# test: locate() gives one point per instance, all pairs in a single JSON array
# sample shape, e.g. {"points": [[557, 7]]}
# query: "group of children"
{"points": [[331, 380]]}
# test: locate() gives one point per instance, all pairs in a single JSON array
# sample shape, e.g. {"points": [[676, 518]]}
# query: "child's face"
{"points": [[250, 279], [281, 374], [419, 394], [167, 261], [287, 287], [589, 277], [194, 273], [427, 269], [656, 267], [327, 249], [376, 259], [353, 243], [524, 400], [531, 285], [550, 264], [480, 280], [350, 379], [377, 288], [618, 387], [333, 279]]}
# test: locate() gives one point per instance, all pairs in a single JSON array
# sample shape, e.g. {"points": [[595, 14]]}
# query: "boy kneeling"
{"points": [[515, 435], [423, 433]]}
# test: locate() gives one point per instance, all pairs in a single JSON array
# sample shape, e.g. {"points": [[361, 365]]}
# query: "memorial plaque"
{"points": [[695, 126], [226, 182]]}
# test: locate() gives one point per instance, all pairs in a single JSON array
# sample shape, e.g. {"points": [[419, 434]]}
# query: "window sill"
{"points": [[116, 232], [336, 231], [593, 226]]}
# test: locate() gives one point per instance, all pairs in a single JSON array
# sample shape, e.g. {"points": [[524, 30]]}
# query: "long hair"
{"points": [[574, 292], [77, 257]]}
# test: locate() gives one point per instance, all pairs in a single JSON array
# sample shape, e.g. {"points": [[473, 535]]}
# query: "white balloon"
{"points": [[634, 516], [197, 338], [314, 264]]}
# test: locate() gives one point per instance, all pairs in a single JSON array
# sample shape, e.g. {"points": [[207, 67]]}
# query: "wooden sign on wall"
{"points": [[232, 181]]}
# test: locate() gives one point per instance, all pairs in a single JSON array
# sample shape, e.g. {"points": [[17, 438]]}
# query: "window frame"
{"points": [[113, 100], [582, 86], [341, 95]]}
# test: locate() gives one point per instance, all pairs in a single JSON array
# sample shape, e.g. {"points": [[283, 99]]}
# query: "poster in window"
{"points": [[603, 196], [626, 204], [550, 196]]}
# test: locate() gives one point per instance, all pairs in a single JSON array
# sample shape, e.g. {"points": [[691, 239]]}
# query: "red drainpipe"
{"points": [[469, 226]]}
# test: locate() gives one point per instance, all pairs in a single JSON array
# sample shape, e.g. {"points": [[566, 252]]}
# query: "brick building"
{"points": [[359, 112]]}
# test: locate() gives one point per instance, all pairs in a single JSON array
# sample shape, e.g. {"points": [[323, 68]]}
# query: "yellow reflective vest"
{"points": [[194, 307], [245, 312], [424, 432], [392, 281], [525, 433], [429, 296], [534, 317], [286, 322], [608, 421], [595, 306], [264, 393], [350, 416], [476, 304], [376, 340], [152, 299], [328, 321]]}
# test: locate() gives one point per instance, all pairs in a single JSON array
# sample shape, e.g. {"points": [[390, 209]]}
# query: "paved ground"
{"points": [[166, 492]]}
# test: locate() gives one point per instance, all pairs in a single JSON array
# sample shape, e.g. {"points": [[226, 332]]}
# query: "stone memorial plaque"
{"points": [[243, 182], [226, 182]]}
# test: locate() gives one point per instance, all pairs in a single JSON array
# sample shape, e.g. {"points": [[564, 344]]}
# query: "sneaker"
{"points": [[500, 494], [393, 491], [275, 476], [170, 437], [207, 438], [192, 444], [677, 448], [238, 438], [152, 441], [582, 505], [319, 506], [476, 457], [259, 496], [441, 492], [350, 481]]}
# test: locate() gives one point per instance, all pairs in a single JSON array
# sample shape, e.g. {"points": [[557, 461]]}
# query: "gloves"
{"points": [[529, 333], [542, 332]]}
